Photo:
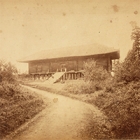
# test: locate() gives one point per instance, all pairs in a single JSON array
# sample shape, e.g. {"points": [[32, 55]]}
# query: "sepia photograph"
{"points": [[69, 69]]}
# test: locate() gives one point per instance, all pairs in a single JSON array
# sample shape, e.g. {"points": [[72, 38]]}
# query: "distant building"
{"points": [[69, 60]]}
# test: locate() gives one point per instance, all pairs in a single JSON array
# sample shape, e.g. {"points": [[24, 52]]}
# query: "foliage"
{"points": [[8, 71], [94, 72], [136, 37], [95, 78], [122, 109], [129, 70], [17, 105], [80, 87]]}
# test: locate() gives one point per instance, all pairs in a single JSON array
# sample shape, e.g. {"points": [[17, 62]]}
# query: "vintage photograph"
{"points": [[69, 69]]}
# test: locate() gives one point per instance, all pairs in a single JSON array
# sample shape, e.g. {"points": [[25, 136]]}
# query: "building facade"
{"points": [[69, 60]]}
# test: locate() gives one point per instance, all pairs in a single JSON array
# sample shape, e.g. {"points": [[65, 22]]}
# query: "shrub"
{"points": [[95, 78], [129, 69], [93, 72], [80, 87], [122, 109], [16, 107], [8, 72], [96, 75]]}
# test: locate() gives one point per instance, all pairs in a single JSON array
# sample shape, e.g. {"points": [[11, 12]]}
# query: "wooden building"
{"points": [[69, 60]]}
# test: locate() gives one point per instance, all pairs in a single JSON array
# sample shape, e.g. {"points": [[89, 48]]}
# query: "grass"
{"points": [[118, 102], [17, 106], [123, 109], [64, 89]]}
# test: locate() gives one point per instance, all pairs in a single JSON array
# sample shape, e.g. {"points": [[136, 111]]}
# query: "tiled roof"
{"points": [[94, 49]]}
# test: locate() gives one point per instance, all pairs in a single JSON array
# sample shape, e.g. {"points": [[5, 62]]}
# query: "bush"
{"points": [[122, 109], [8, 72], [93, 72], [95, 78], [80, 87], [17, 105]]}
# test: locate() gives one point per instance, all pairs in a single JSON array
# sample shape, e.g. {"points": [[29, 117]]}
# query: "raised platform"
{"points": [[70, 75]]}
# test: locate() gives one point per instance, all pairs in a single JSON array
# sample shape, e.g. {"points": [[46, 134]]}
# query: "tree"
{"points": [[129, 70], [136, 37], [8, 71]]}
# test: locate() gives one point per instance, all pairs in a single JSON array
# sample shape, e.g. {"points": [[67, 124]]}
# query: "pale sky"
{"points": [[29, 26]]}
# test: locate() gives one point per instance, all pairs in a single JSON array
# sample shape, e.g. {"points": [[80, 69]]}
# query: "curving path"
{"points": [[63, 119]]}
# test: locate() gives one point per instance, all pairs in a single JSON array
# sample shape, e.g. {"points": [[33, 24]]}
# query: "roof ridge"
{"points": [[77, 46], [71, 51]]}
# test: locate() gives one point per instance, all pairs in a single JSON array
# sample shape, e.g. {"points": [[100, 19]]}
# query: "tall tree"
{"points": [[136, 37], [129, 70]]}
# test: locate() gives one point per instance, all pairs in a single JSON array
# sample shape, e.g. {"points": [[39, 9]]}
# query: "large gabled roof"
{"points": [[87, 50]]}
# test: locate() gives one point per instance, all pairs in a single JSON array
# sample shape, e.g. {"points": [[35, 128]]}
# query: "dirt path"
{"points": [[63, 119]]}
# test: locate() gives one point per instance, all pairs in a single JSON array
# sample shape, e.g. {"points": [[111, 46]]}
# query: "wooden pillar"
{"points": [[111, 64], [49, 66], [35, 76], [29, 68], [108, 64], [62, 77], [77, 65], [71, 76], [74, 76]]}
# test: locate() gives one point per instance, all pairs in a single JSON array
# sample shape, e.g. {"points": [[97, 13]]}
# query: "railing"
{"points": [[72, 76], [67, 76]]}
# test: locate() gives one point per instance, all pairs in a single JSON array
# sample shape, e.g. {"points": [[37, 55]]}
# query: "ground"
{"points": [[63, 119]]}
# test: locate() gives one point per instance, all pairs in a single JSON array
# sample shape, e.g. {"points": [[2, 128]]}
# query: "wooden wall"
{"points": [[104, 62], [38, 67], [70, 65], [80, 64]]}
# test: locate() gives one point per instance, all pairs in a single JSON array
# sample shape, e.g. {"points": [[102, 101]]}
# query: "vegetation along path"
{"points": [[63, 119]]}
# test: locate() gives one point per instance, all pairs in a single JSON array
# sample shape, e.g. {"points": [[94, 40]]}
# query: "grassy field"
{"points": [[17, 106]]}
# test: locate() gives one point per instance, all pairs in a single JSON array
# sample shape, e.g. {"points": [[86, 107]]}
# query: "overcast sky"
{"points": [[29, 26]]}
